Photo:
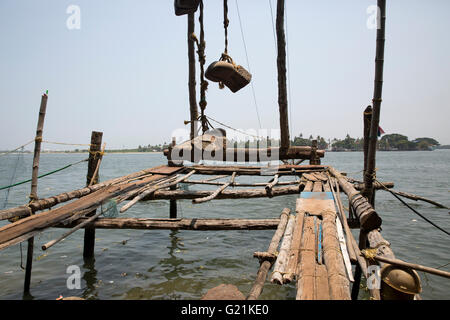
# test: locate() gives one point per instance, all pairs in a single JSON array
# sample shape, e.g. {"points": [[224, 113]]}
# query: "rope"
{"points": [[43, 175], [235, 129], [202, 59], [22, 146], [226, 22], [412, 209], [67, 144], [19, 158], [248, 64], [273, 24]]}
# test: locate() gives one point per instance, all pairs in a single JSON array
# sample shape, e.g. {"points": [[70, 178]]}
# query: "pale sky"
{"points": [[124, 72]]}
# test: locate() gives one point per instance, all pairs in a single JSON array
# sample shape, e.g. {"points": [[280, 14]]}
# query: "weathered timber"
{"points": [[77, 227], [337, 277], [343, 246], [282, 258], [271, 184], [165, 183], [317, 186], [321, 286], [237, 184], [216, 192], [368, 218], [341, 214], [225, 194], [307, 263], [291, 269], [47, 203], [178, 224], [264, 267], [281, 68], [414, 266], [241, 154], [34, 181], [369, 172], [193, 108], [92, 178], [367, 118], [265, 256], [52, 217]]}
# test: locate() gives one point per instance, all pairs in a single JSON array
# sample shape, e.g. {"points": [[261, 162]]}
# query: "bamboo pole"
{"points": [[34, 181], [47, 203], [177, 224], [280, 266], [415, 198], [281, 65], [92, 178], [414, 266], [217, 192], [369, 173], [166, 183], [266, 264]]}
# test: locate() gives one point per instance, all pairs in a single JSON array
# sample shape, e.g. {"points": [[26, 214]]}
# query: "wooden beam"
{"points": [[177, 224], [92, 178], [265, 266], [281, 67]]}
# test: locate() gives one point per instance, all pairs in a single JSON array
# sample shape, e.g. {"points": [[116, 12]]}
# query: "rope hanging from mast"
{"points": [[202, 59]]}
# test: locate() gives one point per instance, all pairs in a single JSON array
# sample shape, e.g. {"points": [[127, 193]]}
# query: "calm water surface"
{"points": [[135, 264]]}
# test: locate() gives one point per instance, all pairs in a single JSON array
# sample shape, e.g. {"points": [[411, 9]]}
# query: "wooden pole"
{"points": [[282, 89], [367, 216], [367, 118], [192, 83], [94, 158], [176, 224], [266, 264], [173, 204], [34, 181], [377, 98]]}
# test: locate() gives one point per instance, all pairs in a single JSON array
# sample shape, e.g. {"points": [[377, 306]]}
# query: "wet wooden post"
{"points": [[33, 193], [282, 89], [173, 203], [192, 82], [314, 159], [369, 191], [367, 118], [94, 158]]}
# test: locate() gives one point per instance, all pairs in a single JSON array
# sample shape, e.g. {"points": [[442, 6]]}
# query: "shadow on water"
{"points": [[90, 277]]}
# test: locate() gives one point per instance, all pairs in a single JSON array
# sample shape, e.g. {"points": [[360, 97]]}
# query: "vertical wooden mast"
{"points": [[377, 95], [33, 193], [192, 83], [281, 64]]}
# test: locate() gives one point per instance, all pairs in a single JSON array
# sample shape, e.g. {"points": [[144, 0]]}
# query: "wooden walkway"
{"points": [[313, 250]]}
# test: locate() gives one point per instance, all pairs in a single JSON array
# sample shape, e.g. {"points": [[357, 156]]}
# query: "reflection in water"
{"points": [[90, 276]]}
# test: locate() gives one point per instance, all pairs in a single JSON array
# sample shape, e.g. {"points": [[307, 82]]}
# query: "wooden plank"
{"points": [[294, 253], [306, 266], [337, 277], [308, 186], [321, 287], [316, 204], [317, 187]]}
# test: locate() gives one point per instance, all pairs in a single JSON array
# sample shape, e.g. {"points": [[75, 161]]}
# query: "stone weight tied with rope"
{"points": [[225, 71]]}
